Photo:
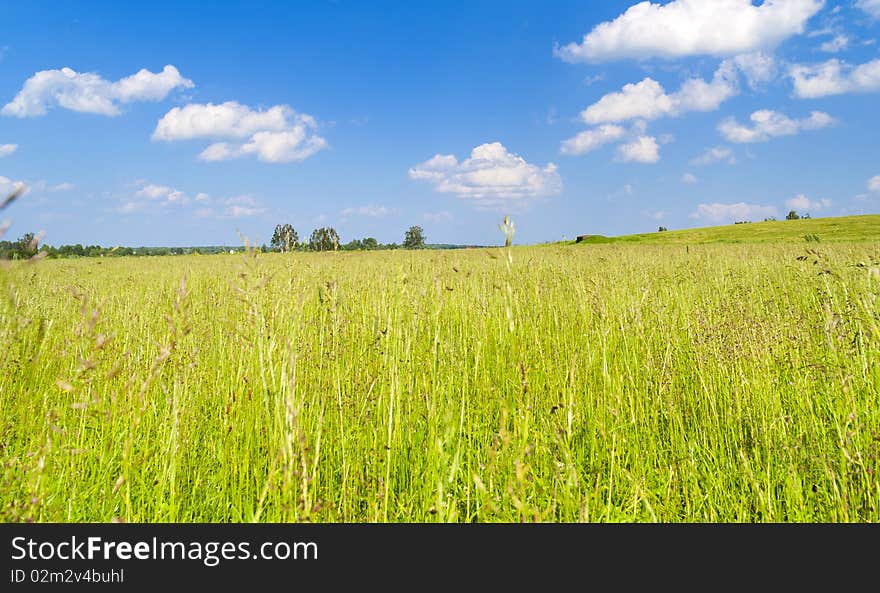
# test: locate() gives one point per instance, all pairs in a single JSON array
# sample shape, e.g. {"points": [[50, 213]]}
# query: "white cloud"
{"points": [[438, 217], [149, 196], [371, 210], [726, 213], [803, 203], [689, 178], [715, 155], [7, 186], [7, 149], [241, 211], [645, 99], [235, 207], [42, 185], [163, 193], [229, 119], [648, 99], [131, 206], [758, 67], [834, 77], [294, 145], [90, 93], [240, 207], [591, 139], [692, 27], [836, 44], [643, 149], [767, 124], [275, 135], [872, 7], [874, 183], [490, 174]]}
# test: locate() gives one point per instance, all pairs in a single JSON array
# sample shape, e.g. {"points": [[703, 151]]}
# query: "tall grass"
{"points": [[557, 383]]}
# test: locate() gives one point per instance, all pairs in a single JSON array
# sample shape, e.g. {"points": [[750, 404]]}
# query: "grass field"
{"points": [[844, 228], [619, 382]]}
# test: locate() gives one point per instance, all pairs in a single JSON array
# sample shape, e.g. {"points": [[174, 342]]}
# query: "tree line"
{"points": [[284, 239], [27, 246]]}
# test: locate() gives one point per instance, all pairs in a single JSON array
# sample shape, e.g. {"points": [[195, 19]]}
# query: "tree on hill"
{"points": [[324, 239], [793, 215], [285, 238], [414, 238]]}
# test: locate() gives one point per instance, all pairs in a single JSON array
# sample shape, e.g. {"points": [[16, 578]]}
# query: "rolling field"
{"points": [[618, 382], [844, 228]]}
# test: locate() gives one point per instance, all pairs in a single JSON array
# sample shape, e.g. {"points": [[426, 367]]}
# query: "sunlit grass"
{"points": [[841, 228], [587, 383]]}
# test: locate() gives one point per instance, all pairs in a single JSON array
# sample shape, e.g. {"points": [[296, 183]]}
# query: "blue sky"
{"points": [[168, 123]]}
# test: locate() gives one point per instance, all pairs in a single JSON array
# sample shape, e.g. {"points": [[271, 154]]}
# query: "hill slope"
{"points": [[844, 228]]}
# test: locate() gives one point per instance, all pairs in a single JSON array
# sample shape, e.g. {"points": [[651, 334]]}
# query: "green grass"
{"points": [[844, 228], [617, 383]]}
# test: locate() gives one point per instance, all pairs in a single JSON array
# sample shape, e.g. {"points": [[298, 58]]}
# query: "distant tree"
{"points": [[324, 239], [662, 229], [285, 238], [806, 216], [793, 215], [414, 238], [770, 219], [26, 246], [366, 244]]}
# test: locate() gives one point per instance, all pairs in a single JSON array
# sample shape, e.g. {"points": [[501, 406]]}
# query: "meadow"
{"points": [[836, 229], [733, 382]]}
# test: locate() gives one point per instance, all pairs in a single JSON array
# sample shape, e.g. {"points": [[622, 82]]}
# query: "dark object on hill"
{"points": [[589, 239]]}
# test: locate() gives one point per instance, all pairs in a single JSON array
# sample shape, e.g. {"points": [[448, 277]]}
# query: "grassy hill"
{"points": [[845, 228]]}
